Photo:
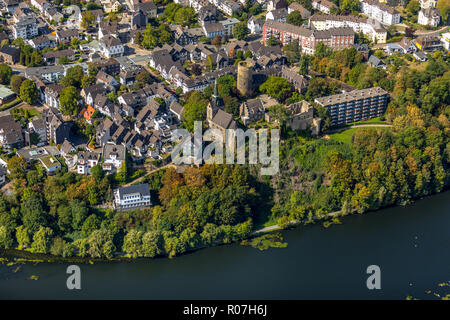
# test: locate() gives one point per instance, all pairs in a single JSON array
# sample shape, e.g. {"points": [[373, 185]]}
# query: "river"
{"points": [[410, 245]]}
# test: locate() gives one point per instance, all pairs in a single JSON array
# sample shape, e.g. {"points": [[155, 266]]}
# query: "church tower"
{"points": [[214, 104]]}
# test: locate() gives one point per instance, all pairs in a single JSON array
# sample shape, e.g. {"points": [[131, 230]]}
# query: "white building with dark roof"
{"points": [[380, 12], [429, 17], [132, 197]]}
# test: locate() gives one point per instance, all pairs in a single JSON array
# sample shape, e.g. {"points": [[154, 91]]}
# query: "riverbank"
{"points": [[23, 256], [410, 244]]}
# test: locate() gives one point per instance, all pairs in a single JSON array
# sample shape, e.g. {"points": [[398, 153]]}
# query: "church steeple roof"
{"points": [[216, 100]]}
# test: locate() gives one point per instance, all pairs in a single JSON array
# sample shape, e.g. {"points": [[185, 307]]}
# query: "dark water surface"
{"points": [[410, 244]]}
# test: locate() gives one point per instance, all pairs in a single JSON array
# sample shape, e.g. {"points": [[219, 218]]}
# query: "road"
{"points": [[7, 112], [430, 33], [291, 223], [148, 173], [367, 125]]}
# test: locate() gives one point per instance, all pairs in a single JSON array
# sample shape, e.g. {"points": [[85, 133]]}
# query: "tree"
{"points": [[217, 42], [100, 244], [23, 236], [6, 240], [295, 18], [73, 77], [68, 100], [122, 174], [225, 85], [28, 91], [33, 213], [413, 7], [241, 31], [350, 5], [36, 59], [17, 167], [97, 172], [279, 113], [63, 60], [152, 244], [87, 80], [194, 110], [273, 41], [304, 65], [42, 240], [132, 243], [444, 10], [90, 224], [196, 69], [144, 78], [277, 87], [87, 19], [5, 73], [16, 81]]}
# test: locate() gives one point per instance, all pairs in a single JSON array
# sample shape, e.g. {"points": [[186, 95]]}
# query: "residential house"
{"points": [[9, 54], [41, 42], [255, 25], [429, 17], [57, 129], [52, 57], [228, 25], [335, 38], [276, 4], [113, 157], [323, 6], [38, 127], [213, 30], [51, 95], [87, 160], [50, 164], [40, 4], [66, 148], [177, 109], [111, 47], [11, 136], [279, 15], [67, 35], [376, 62], [295, 6]]}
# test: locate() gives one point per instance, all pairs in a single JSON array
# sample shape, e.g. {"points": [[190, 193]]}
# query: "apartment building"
{"points": [[373, 29], [356, 105], [335, 38], [380, 12], [25, 28]]}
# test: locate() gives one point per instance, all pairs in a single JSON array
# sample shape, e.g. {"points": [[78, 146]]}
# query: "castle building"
{"points": [[302, 117], [244, 78]]}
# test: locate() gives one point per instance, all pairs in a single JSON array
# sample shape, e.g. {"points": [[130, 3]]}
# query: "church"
{"points": [[216, 117]]}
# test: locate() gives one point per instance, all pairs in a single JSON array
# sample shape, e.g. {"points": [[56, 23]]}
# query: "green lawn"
{"points": [[346, 135]]}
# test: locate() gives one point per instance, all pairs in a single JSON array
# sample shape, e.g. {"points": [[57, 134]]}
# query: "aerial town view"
{"points": [[296, 149]]}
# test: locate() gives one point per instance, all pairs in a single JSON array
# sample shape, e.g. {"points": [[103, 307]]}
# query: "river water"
{"points": [[410, 245]]}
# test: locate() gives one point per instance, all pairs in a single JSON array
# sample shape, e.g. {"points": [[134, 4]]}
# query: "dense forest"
{"points": [[58, 214]]}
